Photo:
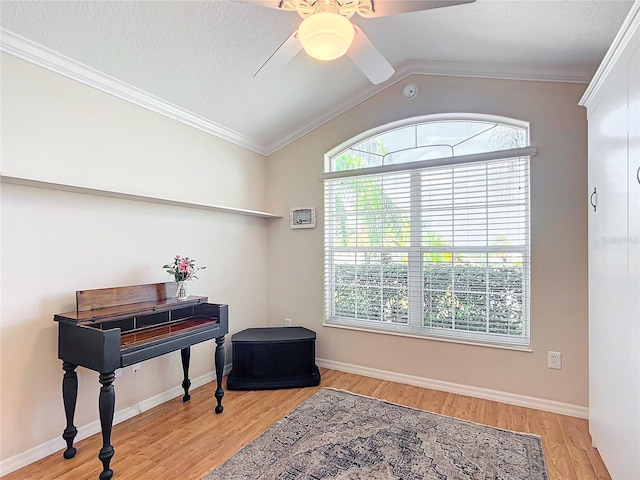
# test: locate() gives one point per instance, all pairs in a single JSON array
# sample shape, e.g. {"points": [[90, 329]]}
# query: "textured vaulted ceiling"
{"points": [[199, 57]]}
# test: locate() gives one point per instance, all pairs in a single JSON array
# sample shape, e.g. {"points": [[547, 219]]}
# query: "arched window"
{"points": [[427, 229]]}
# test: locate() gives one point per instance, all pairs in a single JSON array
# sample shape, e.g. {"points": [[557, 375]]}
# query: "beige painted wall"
{"points": [[54, 242], [558, 252]]}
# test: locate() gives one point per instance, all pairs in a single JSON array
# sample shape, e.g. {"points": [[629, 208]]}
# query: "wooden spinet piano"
{"points": [[116, 327]]}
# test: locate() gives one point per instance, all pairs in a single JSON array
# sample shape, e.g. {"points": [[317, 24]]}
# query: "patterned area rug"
{"points": [[340, 435]]}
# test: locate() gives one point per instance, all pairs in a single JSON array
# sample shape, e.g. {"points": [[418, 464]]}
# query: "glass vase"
{"points": [[181, 292]]}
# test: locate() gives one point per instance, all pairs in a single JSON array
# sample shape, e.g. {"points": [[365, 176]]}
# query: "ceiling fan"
{"points": [[326, 33]]}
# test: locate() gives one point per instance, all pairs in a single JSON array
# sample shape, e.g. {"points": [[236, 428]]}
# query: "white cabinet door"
{"points": [[633, 301], [612, 384], [597, 273]]}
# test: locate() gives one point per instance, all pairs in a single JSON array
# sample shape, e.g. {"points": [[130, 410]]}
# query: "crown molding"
{"points": [[498, 71], [39, 55], [419, 67], [629, 28]]}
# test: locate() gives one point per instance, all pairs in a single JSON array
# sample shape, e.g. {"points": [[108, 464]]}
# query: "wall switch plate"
{"points": [[554, 360], [287, 322]]}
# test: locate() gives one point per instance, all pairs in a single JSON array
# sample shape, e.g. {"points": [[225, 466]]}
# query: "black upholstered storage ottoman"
{"points": [[273, 357]]}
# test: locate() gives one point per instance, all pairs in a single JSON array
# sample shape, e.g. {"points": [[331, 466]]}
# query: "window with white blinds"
{"points": [[435, 248]]}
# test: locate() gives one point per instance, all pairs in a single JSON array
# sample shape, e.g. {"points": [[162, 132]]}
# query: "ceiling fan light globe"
{"points": [[326, 35]]}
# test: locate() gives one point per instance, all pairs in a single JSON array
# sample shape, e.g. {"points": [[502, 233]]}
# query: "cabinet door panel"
{"points": [[614, 270], [633, 299], [597, 265], [608, 355]]}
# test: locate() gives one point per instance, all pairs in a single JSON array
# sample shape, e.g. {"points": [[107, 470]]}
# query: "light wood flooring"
{"points": [[184, 441]]}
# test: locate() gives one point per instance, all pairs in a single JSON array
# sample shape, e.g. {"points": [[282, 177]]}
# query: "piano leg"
{"points": [[106, 405], [186, 383], [219, 358], [69, 397]]}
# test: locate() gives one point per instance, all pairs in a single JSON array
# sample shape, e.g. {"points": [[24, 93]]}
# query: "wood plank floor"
{"points": [[187, 441]]}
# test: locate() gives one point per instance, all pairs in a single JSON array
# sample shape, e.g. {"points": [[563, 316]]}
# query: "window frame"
{"points": [[415, 325]]}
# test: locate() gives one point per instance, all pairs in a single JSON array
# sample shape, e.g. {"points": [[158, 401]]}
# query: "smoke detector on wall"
{"points": [[410, 91]]}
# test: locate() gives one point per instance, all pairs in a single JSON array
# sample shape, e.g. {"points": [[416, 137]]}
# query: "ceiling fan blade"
{"points": [[383, 8], [283, 55], [262, 3], [368, 59]]}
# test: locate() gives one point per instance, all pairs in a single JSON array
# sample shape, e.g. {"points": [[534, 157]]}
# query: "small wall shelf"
{"points": [[27, 182]]}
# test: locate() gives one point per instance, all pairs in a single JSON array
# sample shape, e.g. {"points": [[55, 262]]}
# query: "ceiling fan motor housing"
{"points": [[346, 8]]}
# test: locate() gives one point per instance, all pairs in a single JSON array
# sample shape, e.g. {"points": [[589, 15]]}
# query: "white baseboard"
{"points": [[47, 448], [477, 392]]}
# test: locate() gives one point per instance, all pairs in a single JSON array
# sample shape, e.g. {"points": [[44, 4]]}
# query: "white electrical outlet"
{"points": [[287, 322], [554, 360], [136, 367], [118, 372]]}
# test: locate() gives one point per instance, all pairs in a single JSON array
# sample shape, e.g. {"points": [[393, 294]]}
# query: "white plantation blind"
{"points": [[435, 251]]}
